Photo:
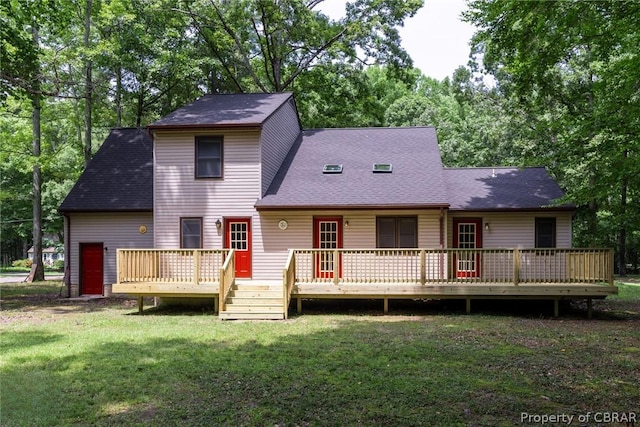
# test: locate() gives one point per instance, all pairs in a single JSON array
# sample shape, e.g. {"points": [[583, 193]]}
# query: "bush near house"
{"points": [[22, 263]]}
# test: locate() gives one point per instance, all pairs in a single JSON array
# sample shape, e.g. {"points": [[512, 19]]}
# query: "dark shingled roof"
{"points": [[118, 178], [246, 109], [502, 189], [416, 180]]}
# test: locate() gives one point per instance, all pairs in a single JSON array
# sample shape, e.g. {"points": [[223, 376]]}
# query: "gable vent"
{"points": [[332, 168], [382, 168]]}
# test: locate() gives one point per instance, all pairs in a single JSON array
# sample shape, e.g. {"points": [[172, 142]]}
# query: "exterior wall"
{"points": [[114, 230], [271, 248], [514, 229], [178, 194], [279, 133]]}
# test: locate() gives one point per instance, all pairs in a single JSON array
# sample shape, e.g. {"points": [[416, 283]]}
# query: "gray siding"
{"points": [[514, 229], [279, 133], [269, 258], [178, 194], [114, 231]]}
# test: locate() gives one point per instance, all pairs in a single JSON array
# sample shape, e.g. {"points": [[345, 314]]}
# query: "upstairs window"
{"points": [[545, 232], [209, 157], [397, 232], [191, 233]]}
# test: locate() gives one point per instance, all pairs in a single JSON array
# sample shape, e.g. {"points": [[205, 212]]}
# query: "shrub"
{"points": [[58, 265], [23, 263]]}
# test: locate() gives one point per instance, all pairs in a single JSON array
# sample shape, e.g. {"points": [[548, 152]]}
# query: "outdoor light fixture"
{"points": [[218, 223], [346, 223], [486, 226]]}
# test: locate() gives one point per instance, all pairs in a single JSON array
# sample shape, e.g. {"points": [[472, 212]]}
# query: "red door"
{"points": [[467, 234], [238, 237], [327, 234], [91, 268]]}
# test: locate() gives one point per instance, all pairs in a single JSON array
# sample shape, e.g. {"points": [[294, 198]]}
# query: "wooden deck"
{"points": [[385, 274]]}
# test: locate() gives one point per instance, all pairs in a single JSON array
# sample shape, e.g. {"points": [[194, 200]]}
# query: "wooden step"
{"points": [[254, 300], [253, 307], [226, 315], [255, 294]]}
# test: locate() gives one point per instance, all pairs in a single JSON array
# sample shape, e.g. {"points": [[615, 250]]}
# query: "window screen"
{"points": [[545, 232], [397, 232], [191, 233], [209, 157]]}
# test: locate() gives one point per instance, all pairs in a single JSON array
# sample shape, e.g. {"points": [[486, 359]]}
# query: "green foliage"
{"points": [[265, 46], [22, 263], [571, 68]]}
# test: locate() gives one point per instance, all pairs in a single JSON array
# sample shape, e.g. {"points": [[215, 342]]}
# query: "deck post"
{"points": [[468, 308], [516, 266], [336, 267], [386, 305], [216, 304], [196, 266], [556, 307], [299, 305], [589, 308], [610, 267], [140, 304], [423, 267]]}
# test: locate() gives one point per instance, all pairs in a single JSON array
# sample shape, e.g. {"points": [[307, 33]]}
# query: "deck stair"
{"points": [[254, 300]]}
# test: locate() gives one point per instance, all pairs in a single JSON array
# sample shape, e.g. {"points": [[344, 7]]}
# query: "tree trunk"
{"points": [[119, 96], [37, 268], [88, 86], [622, 235]]}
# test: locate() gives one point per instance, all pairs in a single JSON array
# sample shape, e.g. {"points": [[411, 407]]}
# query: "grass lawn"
{"points": [[99, 363]]}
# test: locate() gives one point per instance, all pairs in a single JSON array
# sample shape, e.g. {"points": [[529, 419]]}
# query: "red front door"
{"points": [[238, 237], [467, 234], [91, 268], [327, 234]]}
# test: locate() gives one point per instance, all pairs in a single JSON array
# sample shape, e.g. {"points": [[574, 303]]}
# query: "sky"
{"points": [[435, 38]]}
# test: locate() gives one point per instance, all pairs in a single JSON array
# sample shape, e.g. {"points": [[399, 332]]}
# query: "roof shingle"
{"points": [[502, 188], [416, 180], [245, 109], [118, 178]]}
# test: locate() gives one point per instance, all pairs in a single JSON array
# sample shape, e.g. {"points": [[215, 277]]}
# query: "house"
{"points": [[229, 198], [49, 255]]}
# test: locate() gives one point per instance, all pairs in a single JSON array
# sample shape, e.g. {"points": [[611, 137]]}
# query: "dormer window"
{"points": [[332, 168], [382, 168]]}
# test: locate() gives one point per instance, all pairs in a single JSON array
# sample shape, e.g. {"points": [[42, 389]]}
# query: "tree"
{"points": [[573, 68], [265, 45]]}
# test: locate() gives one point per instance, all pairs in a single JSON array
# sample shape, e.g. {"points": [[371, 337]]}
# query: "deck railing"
{"points": [[288, 280], [227, 276], [430, 266], [195, 266]]}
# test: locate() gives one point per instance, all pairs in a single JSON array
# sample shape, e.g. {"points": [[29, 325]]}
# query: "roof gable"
{"points": [[118, 178], [246, 109], [416, 179], [502, 188]]}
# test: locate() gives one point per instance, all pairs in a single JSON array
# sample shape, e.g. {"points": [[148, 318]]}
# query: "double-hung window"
{"points": [[397, 232], [209, 157], [545, 232], [191, 233]]}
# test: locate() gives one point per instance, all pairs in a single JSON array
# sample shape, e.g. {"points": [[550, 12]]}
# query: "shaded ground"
{"points": [[97, 362]]}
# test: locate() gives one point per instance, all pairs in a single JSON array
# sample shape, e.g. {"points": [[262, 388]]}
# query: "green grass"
{"points": [[99, 363]]}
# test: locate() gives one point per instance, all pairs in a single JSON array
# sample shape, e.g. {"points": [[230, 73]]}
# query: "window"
{"points": [[209, 157], [332, 168], [545, 232], [382, 168], [191, 233], [397, 232]]}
